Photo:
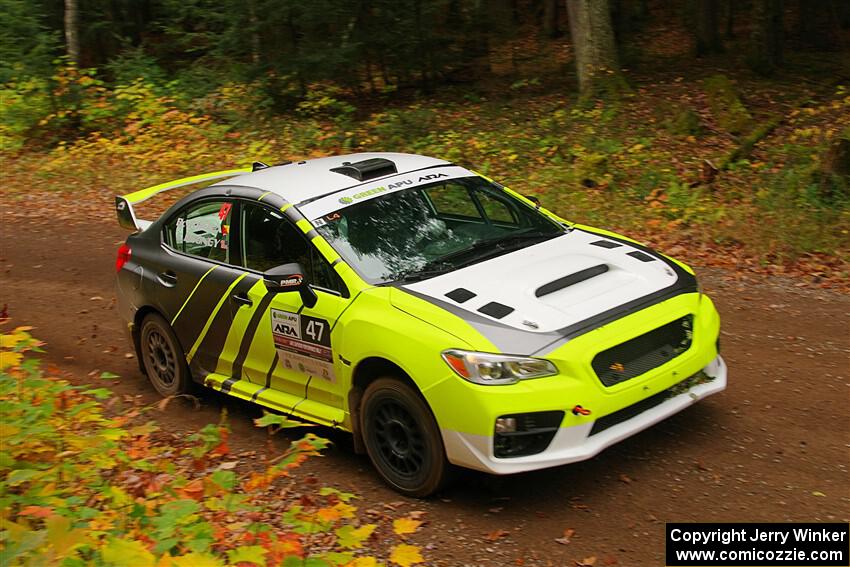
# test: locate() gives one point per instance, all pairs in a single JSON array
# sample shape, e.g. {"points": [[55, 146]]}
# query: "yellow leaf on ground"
{"points": [[404, 526], [10, 340], [127, 553], [406, 555], [9, 359], [196, 560], [364, 562]]}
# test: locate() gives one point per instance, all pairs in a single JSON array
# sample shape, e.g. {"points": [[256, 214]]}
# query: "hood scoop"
{"points": [[572, 279]]}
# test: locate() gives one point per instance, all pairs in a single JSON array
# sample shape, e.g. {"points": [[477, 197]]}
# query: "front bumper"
{"points": [[576, 443]]}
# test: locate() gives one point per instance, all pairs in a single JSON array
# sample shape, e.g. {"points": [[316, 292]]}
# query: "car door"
{"points": [[293, 347], [195, 283]]}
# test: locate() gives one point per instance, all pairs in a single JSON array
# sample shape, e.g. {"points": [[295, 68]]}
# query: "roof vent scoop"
{"points": [[366, 169]]}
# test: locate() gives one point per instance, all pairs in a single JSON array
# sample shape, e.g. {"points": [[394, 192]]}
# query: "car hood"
{"points": [[555, 289]]}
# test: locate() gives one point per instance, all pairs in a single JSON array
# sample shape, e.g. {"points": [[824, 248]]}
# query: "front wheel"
{"points": [[402, 438], [163, 358]]}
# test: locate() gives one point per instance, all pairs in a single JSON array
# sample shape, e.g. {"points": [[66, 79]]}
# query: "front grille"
{"points": [[645, 352], [627, 413], [638, 408]]}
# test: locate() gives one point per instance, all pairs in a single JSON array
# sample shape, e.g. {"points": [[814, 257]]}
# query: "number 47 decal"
{"points": [[315, 329]]}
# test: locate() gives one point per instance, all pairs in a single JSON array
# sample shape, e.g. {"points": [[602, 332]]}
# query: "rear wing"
{"points": [[124, 204]]}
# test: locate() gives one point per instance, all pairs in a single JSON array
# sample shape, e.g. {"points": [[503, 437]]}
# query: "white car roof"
{"points": [[309, 179]]}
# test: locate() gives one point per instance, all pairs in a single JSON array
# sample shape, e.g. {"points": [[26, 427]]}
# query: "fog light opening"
{"points": [[505, 425], [523, 434]]}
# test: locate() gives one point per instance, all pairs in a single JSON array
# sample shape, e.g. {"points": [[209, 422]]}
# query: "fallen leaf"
{"points": [[568, 534], [403, 526], [586, 562], [406, 555], [36, 511], [625, 478], [497, 535]]}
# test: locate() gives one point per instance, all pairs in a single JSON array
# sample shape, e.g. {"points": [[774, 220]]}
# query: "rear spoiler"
{"points": [[124, 204]]}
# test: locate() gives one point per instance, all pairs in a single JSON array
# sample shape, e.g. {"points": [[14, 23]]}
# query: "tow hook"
{"points": [[578, 410]]}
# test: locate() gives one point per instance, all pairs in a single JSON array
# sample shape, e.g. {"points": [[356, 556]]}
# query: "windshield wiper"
{"points": [[485, 249], [418, 275], [491, 247]]}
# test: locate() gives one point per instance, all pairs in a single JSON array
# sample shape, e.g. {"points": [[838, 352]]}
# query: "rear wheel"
{"points": [[165, 363], [402, 438]]}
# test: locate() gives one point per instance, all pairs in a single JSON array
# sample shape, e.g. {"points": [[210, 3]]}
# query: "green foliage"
{"points": [[683, 122], [27, 47], [726, 105], [81, 484], [23, 105]]}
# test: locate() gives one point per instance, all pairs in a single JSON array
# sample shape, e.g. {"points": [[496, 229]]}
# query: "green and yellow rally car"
{"points": [[438, 316]]}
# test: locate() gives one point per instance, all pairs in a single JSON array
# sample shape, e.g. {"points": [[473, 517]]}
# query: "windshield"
{"points": [[432, 229]]}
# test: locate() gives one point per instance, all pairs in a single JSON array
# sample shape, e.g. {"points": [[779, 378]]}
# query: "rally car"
{"points": [[440, 317]]}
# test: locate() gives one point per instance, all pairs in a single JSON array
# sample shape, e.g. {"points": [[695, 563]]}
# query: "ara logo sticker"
{"points": [[285, 329], [431, 177], [303, 343]]}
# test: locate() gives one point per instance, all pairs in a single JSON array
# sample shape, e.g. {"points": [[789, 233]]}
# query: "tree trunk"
{"points": [[595, 51], [707, 35], [254, 31], [550, 18], [819, 25], [767, 36], [72, 31]]}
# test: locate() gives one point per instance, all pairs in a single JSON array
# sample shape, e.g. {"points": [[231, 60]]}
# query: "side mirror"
{"points": [[290, 277]]}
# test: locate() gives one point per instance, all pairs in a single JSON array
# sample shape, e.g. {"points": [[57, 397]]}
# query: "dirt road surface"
{"points": [[772, 447]]}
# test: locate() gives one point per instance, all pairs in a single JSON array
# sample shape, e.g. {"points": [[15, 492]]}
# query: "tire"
{"points": [[163, 358], [402, 438]]}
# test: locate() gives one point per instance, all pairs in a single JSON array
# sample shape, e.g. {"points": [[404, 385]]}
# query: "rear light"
{"points": [[124, 253]]}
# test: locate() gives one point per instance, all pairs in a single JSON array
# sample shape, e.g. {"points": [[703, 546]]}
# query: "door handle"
{"points": [[241, 299], [167, 278]]}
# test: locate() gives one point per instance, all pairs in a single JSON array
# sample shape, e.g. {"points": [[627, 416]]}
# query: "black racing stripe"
{"points": [[197, 311], [207, 355], [248, 339], [227, 384], [269, 375], [311, 234], [306, 390]]}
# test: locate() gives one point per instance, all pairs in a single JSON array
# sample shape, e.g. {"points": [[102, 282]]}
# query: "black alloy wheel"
{"points": [[402, 438], [163, 359]]}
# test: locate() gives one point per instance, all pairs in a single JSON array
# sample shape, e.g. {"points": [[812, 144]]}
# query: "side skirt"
{"points": [[303, 408]]}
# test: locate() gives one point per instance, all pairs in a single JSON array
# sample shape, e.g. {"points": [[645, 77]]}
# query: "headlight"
{"points": [[490, 369]]}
